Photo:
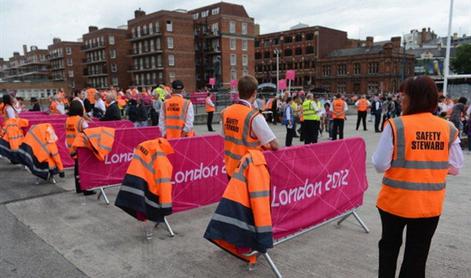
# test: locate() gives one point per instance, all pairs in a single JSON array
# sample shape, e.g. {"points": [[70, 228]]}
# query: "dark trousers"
{"points": [[377, 121], [290, 133], [337, 129], [301, 132], [385, 118], [210, 121], [361, 117], [311, 131], [418, 238], [77, 177]]}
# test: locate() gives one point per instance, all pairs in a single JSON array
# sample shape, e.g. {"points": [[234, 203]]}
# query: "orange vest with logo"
{"points": [[362, 105], [208, 107], [73, 126], [13, 132], [338, 109], [98, 139], [414, 186], [175, 111], [237, 121], [242, 221]]}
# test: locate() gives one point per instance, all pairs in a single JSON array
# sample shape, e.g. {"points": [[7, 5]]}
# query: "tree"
{"points": [[461, 63]]}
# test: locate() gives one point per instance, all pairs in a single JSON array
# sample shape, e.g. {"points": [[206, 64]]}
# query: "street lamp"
{"points": [[277, 53], [403, 76]]}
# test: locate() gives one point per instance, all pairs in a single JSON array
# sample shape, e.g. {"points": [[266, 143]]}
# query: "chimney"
{"points": [[369, 42], [15, 54], [428, 29], [388, 47], [92, 28], [25, 49], [139, 13], [396, 42], [33, 48], [56, 40]]}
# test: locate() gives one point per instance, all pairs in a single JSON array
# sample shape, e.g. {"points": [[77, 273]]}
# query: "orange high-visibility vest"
{"points": [[242, 221], [414, 186], [237, 120], [98, 139], [338, 109], [209, 108], [73, 126], [13, 133], [362, 105], [53, 108], [175, 111], [146, 191]]}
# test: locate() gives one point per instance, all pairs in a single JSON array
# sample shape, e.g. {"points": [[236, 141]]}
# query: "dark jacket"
{"points": [[112, 113]]}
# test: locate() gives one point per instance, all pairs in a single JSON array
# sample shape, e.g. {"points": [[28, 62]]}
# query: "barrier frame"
{"points": [[342, 218]]}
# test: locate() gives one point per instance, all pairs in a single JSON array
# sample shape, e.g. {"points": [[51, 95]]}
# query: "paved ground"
{"points": [[49, 231]]}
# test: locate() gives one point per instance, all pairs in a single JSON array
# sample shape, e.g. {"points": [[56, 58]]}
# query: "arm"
{"points": [[345, 106], [162, 120], [263, 133], [455, 158], [190, 116], [382, 157]]}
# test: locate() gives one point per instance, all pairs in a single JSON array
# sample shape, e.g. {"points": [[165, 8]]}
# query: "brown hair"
{"points": [[422, 93], [247, 86]]}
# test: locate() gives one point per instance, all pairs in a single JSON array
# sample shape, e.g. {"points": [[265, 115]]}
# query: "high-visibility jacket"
{"points": [[268, 105], [207, 106], [175, 110], [39, 151], [242, 221], [122, 102], [414, 186], [338, 109], [73, 127], [13, 132], [53, 108], [310, 114], [98, 139], [362, 105], [146, 191], [237, 120]]}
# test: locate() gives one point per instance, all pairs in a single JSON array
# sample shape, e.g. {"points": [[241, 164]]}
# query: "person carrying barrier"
{"points": [[210, 109], [99, 140], [362, 107], [39, 152], [244, 128], [311, 115], [11, 137], [177, 114], [339, 107], [242, 220], [8, 109], [146, 191], [416, 152]]}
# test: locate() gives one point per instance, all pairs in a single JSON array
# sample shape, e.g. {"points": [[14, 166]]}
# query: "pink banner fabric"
{"points": [[200, 97], [199, 176], [234, 84], [290, 75], [314, 183], [282, 84], [212, 81]]}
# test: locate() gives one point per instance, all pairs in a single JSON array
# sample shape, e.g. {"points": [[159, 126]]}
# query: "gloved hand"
{"points": [[62, 174]]}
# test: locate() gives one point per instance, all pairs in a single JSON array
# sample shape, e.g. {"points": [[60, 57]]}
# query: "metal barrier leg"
{"points": [[363, 225], [272, 265], [343, 218], [169, 229], [102, 193]]}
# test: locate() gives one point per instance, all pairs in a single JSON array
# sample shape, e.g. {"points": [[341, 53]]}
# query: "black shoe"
{"points": [[89, 192]]}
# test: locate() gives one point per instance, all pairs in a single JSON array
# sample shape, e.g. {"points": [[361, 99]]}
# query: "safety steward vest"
{"points": [[146, 191], [338, 109], [98, 139], [310, 114], [175, 111], [209, 108], [237, 120], [414, 186], [13, 132], [362, 105], [73, 126], [39, 151], [242, 221]]}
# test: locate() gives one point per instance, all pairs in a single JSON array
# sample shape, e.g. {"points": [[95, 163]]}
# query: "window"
{"points": [[245, 60], [71, 73], [266, 54], [298, 37], [373, 87], [309, 36], [150, 28], [276, 41], [112, 53], [233, 43], [144, 30], [114, 80], [341, 88], [298, 51], [151, 45], [244, 28], [245, 72], [288, 52], [159, 60], [215, 11], [205, 13], [257, 43], [196, 16], [171, 60], [69, 62], [215, 28], [68, 50], [309, 49], [233, 60], [138, 31], [232, 27], [171, 76], [170, 42], [111, 40], [373, 68], [288, 39], [157, 44], [244, 45], [133, 32], [233, 74], [114, 68], [169, 26], [326, 70], [157, 27], [356, 69], [258, 56], [342, 69]]}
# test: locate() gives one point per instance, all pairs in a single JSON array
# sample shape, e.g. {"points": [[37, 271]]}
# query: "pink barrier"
{"points": [[314, 183], [198, 169]]}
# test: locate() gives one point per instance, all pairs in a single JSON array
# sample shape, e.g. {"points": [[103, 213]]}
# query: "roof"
{"points": [[225, 9], [376, 49]]}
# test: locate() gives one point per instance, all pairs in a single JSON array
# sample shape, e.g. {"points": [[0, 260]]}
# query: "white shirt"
{"points": [[382, 157], [358, 102], [468, 112], [10, 112], [190, 117], [100, 104], [209, 102], [60, 108]]}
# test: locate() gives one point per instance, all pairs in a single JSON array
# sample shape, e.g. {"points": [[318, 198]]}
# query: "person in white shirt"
{"points": [[100, 107], [8, 107]]}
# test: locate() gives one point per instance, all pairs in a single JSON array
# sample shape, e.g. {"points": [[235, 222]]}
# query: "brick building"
{"points": [[66, 63], [106, 57], [31, 66], [224, 43], [162, 48]]}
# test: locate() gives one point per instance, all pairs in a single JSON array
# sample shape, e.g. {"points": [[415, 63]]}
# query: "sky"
{"points": [[36, 22]]}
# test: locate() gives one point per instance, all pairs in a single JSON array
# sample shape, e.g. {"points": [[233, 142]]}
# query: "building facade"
{"points": [[32, 66], [224, 43], [66, 63], [106, 58], [161, 48]]}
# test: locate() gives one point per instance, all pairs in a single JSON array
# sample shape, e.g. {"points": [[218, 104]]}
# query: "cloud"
{"points": [[36, 22]]}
